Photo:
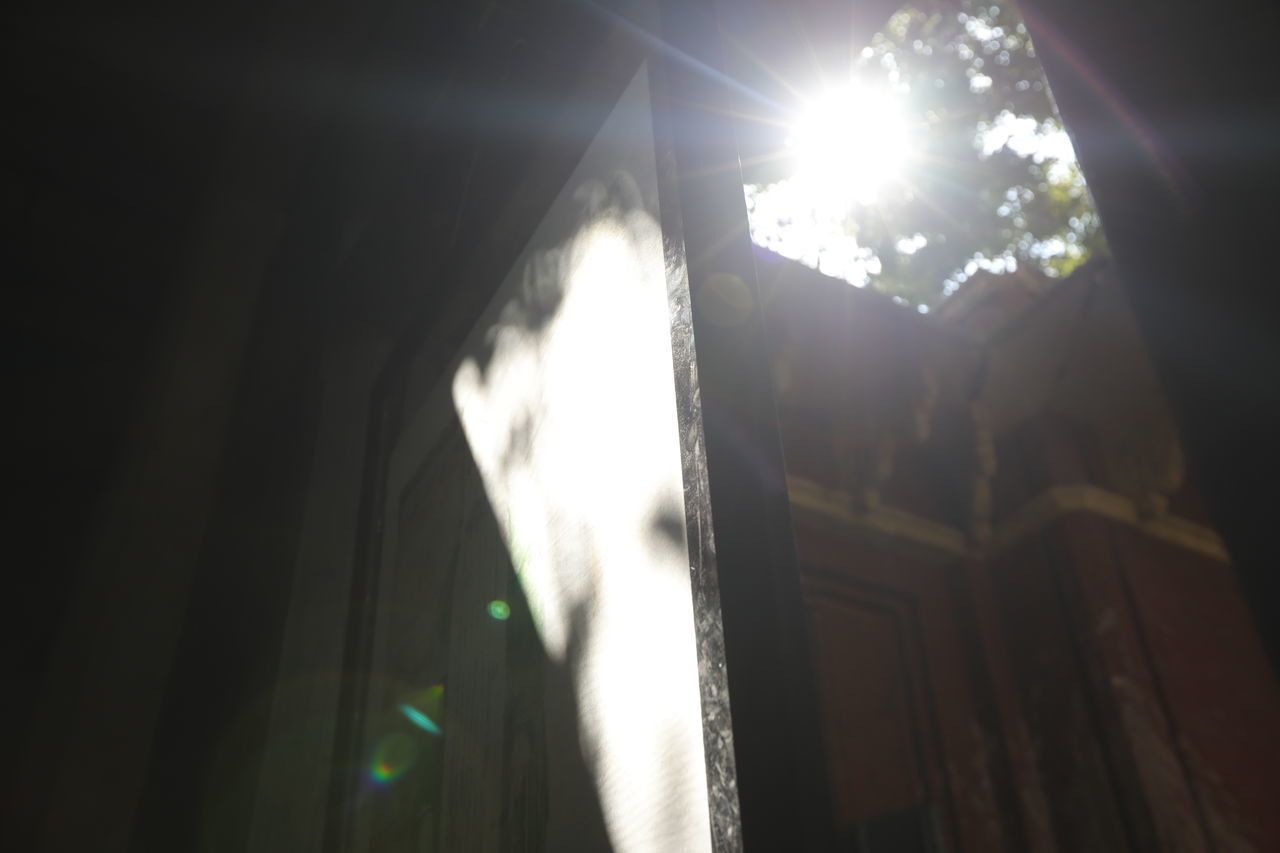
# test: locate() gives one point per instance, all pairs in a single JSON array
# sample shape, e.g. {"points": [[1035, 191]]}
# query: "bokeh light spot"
{"points": [[725, 299]]}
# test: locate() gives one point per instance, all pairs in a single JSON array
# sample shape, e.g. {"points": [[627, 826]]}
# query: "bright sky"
{"points": [[847, 148]]}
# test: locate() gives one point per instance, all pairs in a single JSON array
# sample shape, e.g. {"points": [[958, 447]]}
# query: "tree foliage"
{"points": [[992, 182]]}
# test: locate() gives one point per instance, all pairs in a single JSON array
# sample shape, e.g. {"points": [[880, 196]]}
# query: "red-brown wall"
{"points": [[1083, 681]]}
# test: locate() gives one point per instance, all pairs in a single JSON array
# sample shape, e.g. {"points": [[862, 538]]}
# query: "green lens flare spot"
{"points": [[393, 755], [500, 610]]}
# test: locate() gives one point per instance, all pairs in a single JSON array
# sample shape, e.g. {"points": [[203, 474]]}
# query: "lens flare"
{"points": [[419, 719], [394, 755], [500, 610], [424, 707], [849, 144]]}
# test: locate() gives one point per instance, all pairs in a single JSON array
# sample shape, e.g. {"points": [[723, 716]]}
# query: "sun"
{"points": [[849, 145], [849, 149]]}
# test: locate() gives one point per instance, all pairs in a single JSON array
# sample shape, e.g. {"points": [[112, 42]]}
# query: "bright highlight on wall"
{"points": [[567, 401]]}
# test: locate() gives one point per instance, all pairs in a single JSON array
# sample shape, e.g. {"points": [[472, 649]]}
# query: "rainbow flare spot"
{"points": [[500, 610], [394, 755]]}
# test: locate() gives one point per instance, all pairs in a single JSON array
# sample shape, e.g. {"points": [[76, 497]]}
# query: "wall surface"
{"points": [[1027, 635]]}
